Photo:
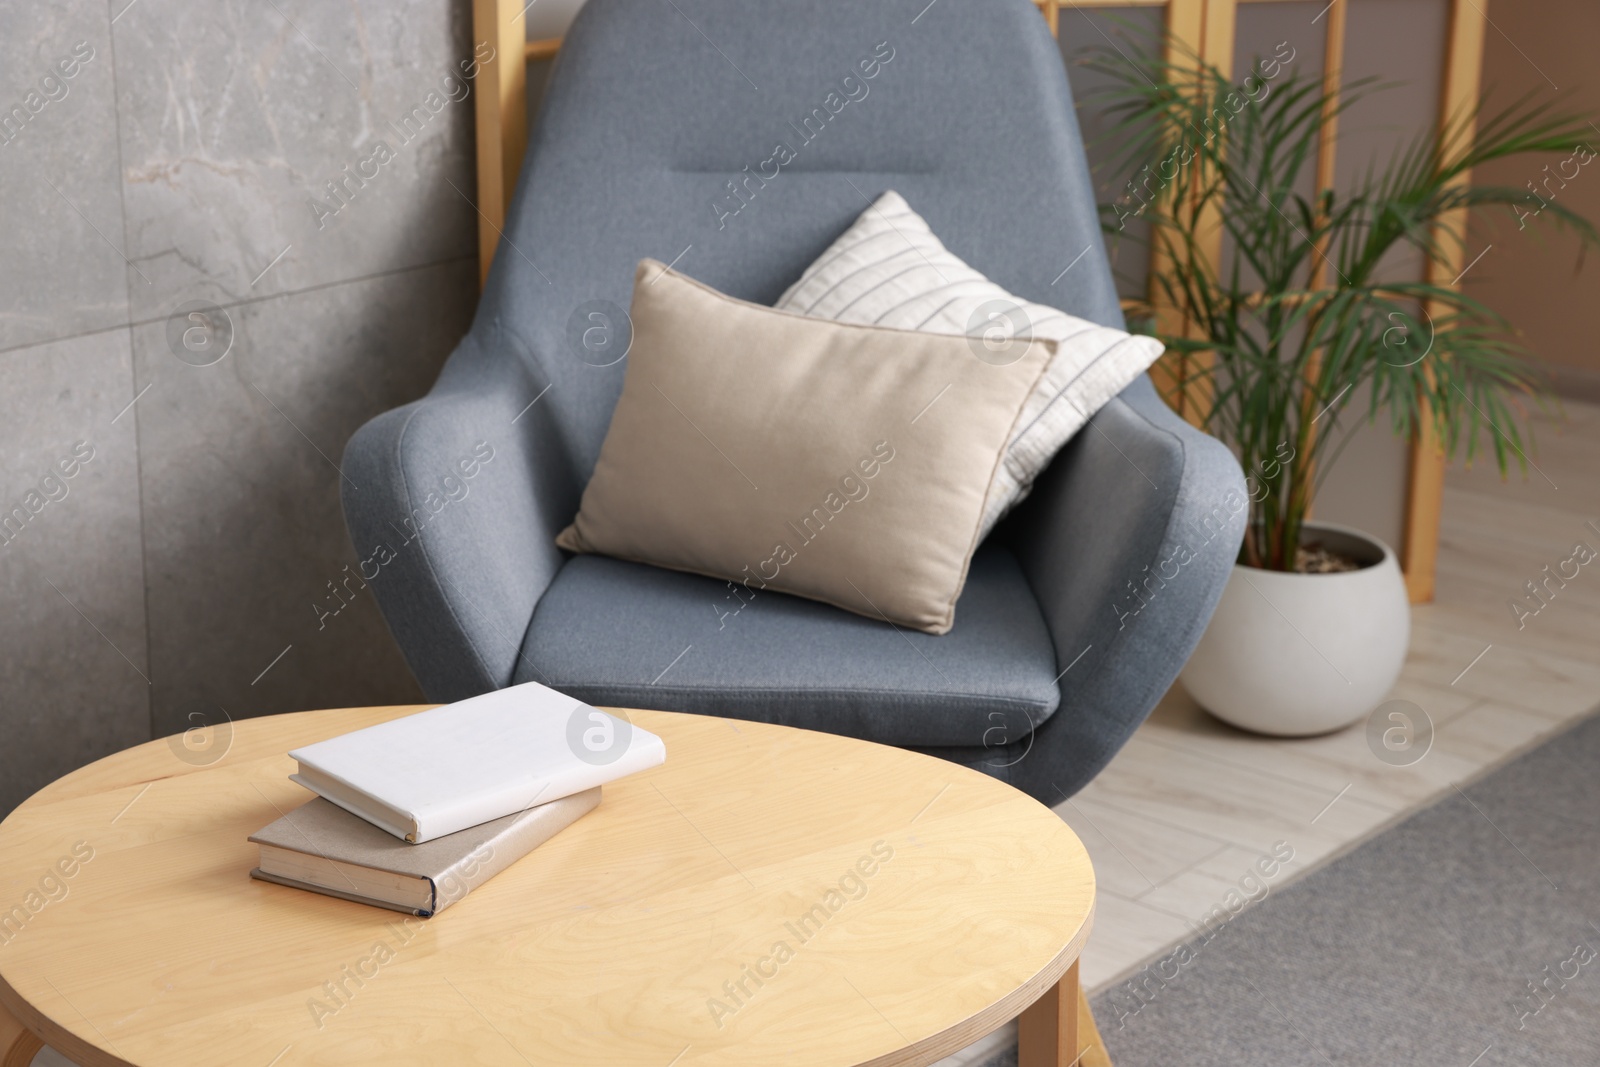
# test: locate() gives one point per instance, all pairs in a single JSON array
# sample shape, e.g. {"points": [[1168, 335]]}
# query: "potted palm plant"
{"points": [[1300, 330]]}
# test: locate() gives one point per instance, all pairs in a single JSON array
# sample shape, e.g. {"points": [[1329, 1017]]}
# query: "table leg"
{"points": [[18, 1045], [1093, 1049], [1058, 1030]]}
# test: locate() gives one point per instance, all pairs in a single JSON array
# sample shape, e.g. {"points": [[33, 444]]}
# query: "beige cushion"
{"points": [[890, 270], [850, 464]]}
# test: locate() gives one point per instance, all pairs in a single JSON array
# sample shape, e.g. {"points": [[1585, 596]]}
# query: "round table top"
{"points": [[664, 929]]}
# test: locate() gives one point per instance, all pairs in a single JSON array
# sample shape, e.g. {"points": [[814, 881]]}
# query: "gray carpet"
{"points": [[1466, 936]]}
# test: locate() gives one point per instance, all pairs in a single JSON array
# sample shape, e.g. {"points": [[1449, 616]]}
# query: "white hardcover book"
{"points": [[455, 766]]}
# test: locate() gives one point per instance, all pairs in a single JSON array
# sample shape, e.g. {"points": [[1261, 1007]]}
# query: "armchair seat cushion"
{"points": [[622, 634]]}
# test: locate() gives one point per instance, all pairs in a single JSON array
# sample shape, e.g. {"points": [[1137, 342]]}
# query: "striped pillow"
{"points": [[888, 269]]}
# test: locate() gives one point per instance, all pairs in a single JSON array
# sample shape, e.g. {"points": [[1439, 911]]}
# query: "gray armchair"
{"points": [[1078, 611]]}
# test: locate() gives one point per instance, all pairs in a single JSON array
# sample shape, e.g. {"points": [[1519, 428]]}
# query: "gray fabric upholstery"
{"points": [[633, 636], [643, 123]]}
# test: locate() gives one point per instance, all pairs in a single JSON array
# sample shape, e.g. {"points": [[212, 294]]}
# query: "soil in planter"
{"points": [[1318, 559]]}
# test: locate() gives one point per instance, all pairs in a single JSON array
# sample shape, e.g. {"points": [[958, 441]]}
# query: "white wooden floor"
{"points": [[1181, 815]]}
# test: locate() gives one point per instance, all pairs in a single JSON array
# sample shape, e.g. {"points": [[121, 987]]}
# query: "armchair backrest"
{"points": [[738, 139]]}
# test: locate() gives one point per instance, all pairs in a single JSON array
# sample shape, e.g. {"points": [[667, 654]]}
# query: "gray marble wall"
{"points": [[158, 160]]}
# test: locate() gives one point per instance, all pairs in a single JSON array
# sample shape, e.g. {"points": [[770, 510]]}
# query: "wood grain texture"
{"points": [[1094, 1048], [543, 49], [1419, 556], [1463, 66], [1328, 131], [500, 116], [1184, 25], [1047, 1033], [1203, 29], [549, 46], [1218, 29], [920, 905], [1327, 159], [18, 1045]]}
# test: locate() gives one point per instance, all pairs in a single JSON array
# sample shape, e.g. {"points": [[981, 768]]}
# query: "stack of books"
{"points": [[415, 813]]}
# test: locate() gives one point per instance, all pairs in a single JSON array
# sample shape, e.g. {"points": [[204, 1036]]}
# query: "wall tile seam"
{"points": [[246, 302]]}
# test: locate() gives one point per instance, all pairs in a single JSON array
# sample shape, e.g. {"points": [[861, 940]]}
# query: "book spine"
{"points": [[534, 828]]}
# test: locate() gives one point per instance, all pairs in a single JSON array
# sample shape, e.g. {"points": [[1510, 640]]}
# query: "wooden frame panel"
{"points": [[1327, 138], [501, 117], [1206, 28], [1463, 68]]}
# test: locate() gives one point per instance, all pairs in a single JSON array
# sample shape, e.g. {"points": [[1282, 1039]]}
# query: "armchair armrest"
{"points": [[454, 518], [1127, 540]]}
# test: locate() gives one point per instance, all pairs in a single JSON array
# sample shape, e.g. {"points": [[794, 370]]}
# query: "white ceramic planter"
{"points": [[1300, 654]]}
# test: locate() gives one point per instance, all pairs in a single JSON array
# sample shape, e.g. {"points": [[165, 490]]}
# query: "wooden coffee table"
{"points": [[768, 896]]}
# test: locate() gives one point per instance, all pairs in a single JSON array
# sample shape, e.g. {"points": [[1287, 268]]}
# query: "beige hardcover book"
{"points": [[321, 847]]}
